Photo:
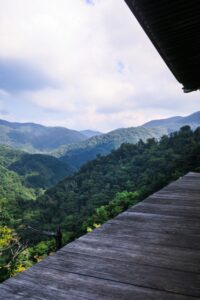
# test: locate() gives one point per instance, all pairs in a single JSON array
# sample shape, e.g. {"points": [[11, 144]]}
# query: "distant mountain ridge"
{"points": [[90, 133], [84, 151], [78, 154], [37, 138], [175, 123], [76, 147], [143, 168]]}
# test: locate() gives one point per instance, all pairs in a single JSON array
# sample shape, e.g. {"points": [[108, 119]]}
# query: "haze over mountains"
{"points": [[174, 123], [90, 133], [79, 153], [75, 148], [36, 191], [37, 138], [68, 149], [110, 183]]}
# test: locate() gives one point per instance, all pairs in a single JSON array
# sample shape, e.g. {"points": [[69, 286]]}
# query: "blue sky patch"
{"points": [[90, 2], [120, 66], [18, 76]]}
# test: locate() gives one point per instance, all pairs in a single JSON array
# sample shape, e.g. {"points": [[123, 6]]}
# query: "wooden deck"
{"points": [[151, 251]]}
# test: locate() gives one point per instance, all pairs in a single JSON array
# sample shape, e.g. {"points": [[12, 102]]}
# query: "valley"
{"points": [[85, 184]]}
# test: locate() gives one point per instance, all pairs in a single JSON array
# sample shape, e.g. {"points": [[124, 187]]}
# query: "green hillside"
{"points": [[100, 190], [78, 154], [12, 187], [36, 138], [40, 170], [23, 177], [141, 168], [35, 170]]}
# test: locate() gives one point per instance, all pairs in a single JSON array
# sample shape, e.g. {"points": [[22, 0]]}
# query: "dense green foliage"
{"points": [[23, 177], [13, 254], [100, 190], [121, 202], [37, 138], [78, 154], [12, 186], [144, 167], [41, 170], [35, 170]]}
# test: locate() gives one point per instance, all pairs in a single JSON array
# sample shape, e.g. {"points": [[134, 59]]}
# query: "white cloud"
{"points": [[81, 46]]}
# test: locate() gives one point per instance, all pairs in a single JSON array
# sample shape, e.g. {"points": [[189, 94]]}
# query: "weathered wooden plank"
{"points": [[25, 288], [74, 286], [148, 256], [191, 195], [141, 253], [128, 234], [148, 217], [163, 227], [168, 210], [172, 227], [188, 189], [178, 201], [181, 186], [5, 294], [178, 193], [127, 272], [157, 222]]}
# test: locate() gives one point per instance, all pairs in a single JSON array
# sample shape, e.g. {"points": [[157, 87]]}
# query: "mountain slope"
{"points": [[141, 168], [37, 138], [41, 170], [101, 189], [90, 133], [78, 154], [23, 177], [35, 170], [192, 120], [175, 123], [104, 144]]}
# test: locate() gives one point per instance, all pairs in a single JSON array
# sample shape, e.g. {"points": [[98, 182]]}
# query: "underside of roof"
{"points": [[174, 28]]}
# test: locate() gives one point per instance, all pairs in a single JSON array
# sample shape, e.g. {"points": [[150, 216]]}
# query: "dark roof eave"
{"points": [[159, 31]]}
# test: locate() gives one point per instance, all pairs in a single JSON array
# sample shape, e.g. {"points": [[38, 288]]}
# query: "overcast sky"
{"points": [[82, 64]]}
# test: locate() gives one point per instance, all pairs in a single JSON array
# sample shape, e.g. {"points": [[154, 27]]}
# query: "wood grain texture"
{"points": [[151, 251]]}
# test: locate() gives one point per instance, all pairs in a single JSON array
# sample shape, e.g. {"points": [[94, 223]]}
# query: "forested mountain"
{"points": [[34, 170], [175, 123], [140, 167], [76, 147], [90, 133], [78, 154], [41, 170], [37, 138], [23, 177], [100, 190]]}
